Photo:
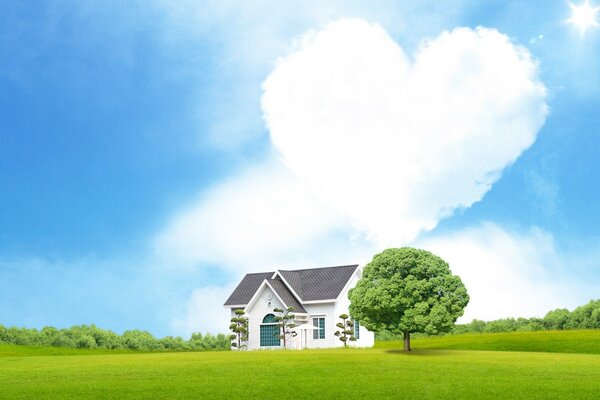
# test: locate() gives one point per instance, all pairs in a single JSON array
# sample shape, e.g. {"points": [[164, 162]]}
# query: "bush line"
{"points": [[583, 317], [92, 337]]}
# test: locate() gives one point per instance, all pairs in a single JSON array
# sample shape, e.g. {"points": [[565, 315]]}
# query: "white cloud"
{"points": [[397, 144], [203, 312], [262, 218], [379, 149], [509, 273]]}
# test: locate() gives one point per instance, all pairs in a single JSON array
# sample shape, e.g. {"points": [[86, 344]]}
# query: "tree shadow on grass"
{"points": [[420, 352]]}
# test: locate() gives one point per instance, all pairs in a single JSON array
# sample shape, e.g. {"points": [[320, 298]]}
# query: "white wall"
{"points": [[257, 312], [331, 312], [367, 338], [326, 310]]}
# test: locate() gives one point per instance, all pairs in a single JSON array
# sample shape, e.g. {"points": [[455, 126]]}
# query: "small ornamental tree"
{"points": [[346, 331], [408, 290], [285, 320], [239, 327]]}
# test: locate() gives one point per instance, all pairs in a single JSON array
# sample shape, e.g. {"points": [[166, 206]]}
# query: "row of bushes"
{"points": [[583, 317], [90, 337]]}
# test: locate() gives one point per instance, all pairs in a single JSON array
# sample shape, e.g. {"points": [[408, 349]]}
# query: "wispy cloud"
{"points": [[261, 218], [510, 273], [242, 40], [203, 312]]}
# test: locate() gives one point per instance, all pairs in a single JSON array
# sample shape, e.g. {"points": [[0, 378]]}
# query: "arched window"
{"points": [[269, 319], [269, 332]]}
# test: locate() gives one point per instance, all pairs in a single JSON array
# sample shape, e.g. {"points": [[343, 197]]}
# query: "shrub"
{"points": [[174, 343], [585, 317], [86, 342], [62, 340], [501, 325], [556, 319], [141, 340]]}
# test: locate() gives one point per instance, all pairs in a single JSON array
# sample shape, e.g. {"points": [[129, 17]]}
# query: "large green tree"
{"points": [[408, 290]]}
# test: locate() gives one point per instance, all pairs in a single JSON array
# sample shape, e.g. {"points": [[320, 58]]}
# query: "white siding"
{"points": [[367, 338], [256, 314], [326, 310]]}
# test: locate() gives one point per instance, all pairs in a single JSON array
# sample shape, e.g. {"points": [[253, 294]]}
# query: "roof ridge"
{"points": [[259, 273], [306, 269]]}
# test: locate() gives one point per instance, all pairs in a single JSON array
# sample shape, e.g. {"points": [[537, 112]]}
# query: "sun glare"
{"points": [[584, 16]]}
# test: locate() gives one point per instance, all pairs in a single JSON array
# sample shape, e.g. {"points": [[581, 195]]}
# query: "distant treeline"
{"points": [[583, 317], [91, 337]]}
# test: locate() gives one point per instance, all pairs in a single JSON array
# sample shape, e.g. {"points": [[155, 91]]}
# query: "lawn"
{"points": [[578, 341], [379, 373]]}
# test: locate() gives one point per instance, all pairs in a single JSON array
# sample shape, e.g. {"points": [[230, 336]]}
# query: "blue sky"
{"points": [[140, 142]]}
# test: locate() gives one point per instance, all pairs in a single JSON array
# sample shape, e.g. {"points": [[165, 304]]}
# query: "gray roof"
{"points": [[285, 294], [319, 283], [246, 289], [309, 284]]}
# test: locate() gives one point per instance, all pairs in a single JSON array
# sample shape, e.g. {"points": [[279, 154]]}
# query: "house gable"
{"points": [[278, 275], [262, 304], [264, 301], [279, 291], [285, 295]]}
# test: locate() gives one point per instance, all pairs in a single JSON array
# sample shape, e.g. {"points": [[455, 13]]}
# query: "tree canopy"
{"points": [[407, 290]]}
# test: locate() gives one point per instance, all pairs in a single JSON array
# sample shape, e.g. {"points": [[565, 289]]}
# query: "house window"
{"points": [[269, 332], [320, 323], [356, 330]]}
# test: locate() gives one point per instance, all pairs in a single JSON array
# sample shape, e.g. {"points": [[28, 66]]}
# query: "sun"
{"points": [[584, 16]]}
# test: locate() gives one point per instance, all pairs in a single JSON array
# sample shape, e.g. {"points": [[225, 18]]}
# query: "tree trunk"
{"points": [[406, 341]]}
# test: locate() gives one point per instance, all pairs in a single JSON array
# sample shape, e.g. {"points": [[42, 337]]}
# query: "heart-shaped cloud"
{"points": [[398, 144]]}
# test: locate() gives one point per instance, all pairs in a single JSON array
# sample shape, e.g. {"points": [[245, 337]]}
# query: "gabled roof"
{"points": [[314, 284], [319, 283], [284, 293], [245, 290]]}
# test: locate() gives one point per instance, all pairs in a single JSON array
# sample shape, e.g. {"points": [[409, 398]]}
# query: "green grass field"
{"points": [[381, 373], [580, 341]]}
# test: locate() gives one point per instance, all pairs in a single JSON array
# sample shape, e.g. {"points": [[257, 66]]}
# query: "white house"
{"points": [[318, 295]]}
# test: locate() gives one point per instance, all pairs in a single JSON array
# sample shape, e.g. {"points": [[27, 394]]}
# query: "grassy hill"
{"points": [[578, 341], [381, 373]]}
